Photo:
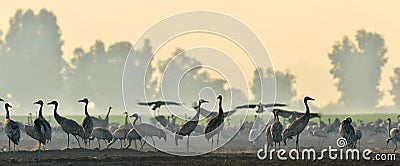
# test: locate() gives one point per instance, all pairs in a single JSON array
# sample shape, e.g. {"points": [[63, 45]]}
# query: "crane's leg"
{"points": [[76, 139], [297, 142], [154, 144], [120, 141], [136, 145], [395, 147], [217, 139], [129, 143], [187, 149], [141, 147], [212, 142], [124, 142], [68, 139], [98, 141], [9, 145]]}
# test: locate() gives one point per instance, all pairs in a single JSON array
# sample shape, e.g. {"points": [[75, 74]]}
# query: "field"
{"points": [[238, 151]]}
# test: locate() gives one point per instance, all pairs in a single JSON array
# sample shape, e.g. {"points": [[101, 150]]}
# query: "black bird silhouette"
{"points": [[260, 107], [157, 104]]}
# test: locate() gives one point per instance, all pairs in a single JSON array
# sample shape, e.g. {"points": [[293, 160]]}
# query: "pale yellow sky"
{"points": [[297, 34]]}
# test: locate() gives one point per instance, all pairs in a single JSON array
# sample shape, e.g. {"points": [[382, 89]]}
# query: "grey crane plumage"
{"points": [[68, 125], [297, 126], [346, 130], [87, 122], [37, 132], [216, 124], [188, 127], [11, 128], [119, 134], [394, 136], [99, 122], [147, 130], [101, 134]]}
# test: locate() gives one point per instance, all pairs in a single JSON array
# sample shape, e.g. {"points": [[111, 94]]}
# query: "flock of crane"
{"points": [[275, 132]]}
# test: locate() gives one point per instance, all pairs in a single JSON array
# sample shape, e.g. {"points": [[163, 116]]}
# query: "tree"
{"points": [[31, 58], [395, 91], [285, 91], [357, 68], [97, 74], [179, 78]]}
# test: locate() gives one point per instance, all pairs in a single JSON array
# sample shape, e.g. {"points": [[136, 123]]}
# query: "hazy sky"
{"points": [[297, 34]]}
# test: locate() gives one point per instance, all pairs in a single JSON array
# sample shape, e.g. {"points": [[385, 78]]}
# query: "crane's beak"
{"points": [[1, 99]]}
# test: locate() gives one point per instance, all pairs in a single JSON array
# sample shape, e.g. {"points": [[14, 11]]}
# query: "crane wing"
{"points": [[171, 103], [274, 105], [146, 103], [246, 106]]}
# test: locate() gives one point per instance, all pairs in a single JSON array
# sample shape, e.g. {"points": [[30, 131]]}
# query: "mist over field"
{"points": [[33, 67]]}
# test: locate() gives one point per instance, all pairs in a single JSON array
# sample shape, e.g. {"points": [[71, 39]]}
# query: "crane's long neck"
{"points": [[40, 111], [276, 116], [221, 111], [307, 107], [173, 120], [7, 113], [390, 121], [134, 121], [108, 114], [196, 117], [126, 120], [86, 110], [56, 116]]}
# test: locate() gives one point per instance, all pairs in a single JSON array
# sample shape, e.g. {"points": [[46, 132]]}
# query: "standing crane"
{"points": [[68, 125], [39, 129], [394, 136], [297, 126], [215, 125], [347, 131], [101, 133], [276, 129], [11, 128], [87, 122], [147, 130], [133, 135], [46, 124], [188, 127]]}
